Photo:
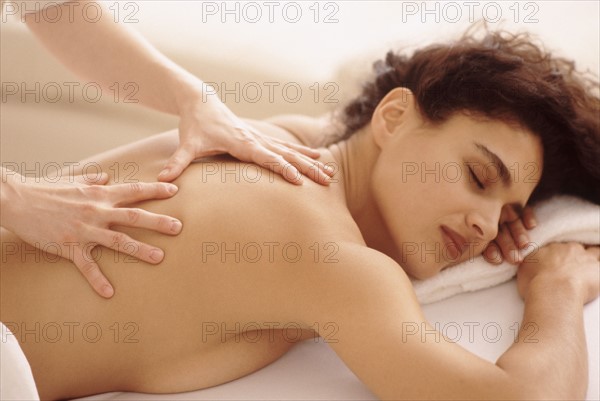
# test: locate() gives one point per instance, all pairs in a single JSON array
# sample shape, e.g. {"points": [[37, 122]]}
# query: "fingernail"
{"points": [[172, 188], [164, 172], [107, 291], [523, 240], [494, 254], [532, 223], [156, 255], [176, 226]]}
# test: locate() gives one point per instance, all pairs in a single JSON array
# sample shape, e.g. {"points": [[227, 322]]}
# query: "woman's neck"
{"points": [[356, 158]]}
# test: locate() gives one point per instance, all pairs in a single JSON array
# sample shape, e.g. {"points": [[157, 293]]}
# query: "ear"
{"points": [[391, 112]]}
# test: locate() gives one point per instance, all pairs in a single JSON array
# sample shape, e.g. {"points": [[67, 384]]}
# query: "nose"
{"points": [[483, 222]]}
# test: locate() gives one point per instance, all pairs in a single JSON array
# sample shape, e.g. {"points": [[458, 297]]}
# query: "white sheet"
{"points": [[16, 379], [312, 371]]}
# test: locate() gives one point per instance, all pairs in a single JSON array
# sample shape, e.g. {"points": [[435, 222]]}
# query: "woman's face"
{"points": [[432, 183]]}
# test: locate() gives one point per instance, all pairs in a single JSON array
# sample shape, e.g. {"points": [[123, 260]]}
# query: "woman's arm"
{"points": [[383, 337], [110, 54]]}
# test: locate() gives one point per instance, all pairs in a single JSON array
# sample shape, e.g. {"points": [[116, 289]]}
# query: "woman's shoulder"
{"points": [[355, 283]]}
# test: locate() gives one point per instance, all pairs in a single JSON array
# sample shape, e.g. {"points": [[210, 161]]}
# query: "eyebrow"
{"points": [[496, 161]]}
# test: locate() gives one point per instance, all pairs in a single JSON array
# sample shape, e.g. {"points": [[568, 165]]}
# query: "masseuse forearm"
{"points": [[549, 356], [110, 53]]}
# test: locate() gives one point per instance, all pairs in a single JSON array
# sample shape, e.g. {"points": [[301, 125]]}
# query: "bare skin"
{"points": [[352, 295], [205, 294], [109, 53]]}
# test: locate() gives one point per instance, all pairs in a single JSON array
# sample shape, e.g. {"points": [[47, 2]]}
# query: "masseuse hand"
{"points": [[208, 127], [512, 235], [70, 217]]}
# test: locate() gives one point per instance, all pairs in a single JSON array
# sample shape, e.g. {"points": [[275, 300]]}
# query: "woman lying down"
{"points": [[257, 254]]}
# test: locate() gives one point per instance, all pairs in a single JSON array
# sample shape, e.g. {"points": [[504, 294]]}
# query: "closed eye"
{"points": [[479, 184]]}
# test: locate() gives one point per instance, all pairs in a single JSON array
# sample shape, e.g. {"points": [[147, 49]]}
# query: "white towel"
{"points": [[559, 219], [16, 380]]}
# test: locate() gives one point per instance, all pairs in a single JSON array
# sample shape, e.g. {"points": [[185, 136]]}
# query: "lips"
{"points": [[455, 242]]}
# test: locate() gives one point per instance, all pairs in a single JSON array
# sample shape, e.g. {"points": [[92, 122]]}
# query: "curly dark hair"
{"points": [[507, 77]]}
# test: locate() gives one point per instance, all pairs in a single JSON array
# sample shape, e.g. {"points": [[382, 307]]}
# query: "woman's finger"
{"points": [[276, 163], [141, 218], [492, 253], [82, 257], [122, 194], [528, 217], [518, 233], [123, 243], [313, 169], [304, 152], [90, 179], [302, 155], [311, 163], [508, 214], [183, 156], [310, 152], [507, 245]]}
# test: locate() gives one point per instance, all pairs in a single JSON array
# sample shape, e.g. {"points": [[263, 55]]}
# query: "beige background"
{"points": [[281, 52]]}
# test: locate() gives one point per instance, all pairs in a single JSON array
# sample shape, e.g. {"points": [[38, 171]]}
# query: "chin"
{"points": [[418, 270]]}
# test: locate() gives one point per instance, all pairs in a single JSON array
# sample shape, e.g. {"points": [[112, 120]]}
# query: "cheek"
{"points": [[413, 205], [416, 189]]}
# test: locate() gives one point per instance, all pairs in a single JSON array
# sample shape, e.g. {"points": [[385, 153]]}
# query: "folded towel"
{"points": [[559, 219]]}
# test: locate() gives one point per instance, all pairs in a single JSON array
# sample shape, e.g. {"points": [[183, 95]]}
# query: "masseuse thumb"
{"points": [[182, 158]]}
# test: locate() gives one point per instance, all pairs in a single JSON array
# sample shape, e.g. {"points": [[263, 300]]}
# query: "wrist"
{"points": [[568, 287], [10, 196], [193, 92]]}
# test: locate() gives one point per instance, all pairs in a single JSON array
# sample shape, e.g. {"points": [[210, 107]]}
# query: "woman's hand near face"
{"points": [[556, 264], [208, 127], [72, 216], [512, 236]]}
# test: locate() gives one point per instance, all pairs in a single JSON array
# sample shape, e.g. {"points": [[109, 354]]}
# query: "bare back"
{"points": [[210, 312]]}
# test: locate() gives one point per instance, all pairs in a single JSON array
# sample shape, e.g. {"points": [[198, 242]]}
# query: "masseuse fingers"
{"points": [[314, 165], [310, 152], [507, 245], [276, 163], [302, 157], [90, 179], [84, 261], [300, 152], [313, 169], [123, 243], [140, 218], [140, 191], [182, 158]]}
